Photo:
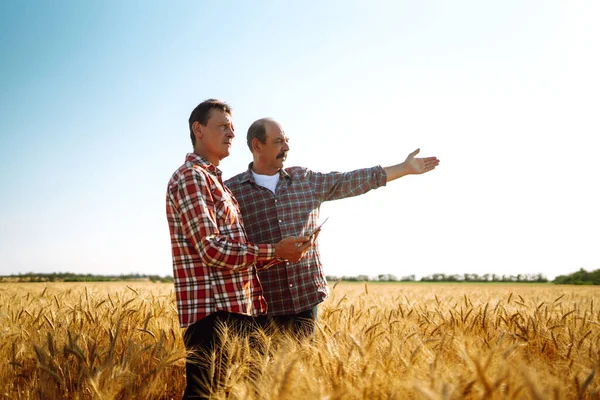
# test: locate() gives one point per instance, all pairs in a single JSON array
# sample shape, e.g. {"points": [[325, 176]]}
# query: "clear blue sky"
{"points": [[95, 98]]}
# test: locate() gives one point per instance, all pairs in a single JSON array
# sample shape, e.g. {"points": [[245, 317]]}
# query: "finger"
{"points": [[414, 153], [315, 236], [304, 246], [302, 240]]}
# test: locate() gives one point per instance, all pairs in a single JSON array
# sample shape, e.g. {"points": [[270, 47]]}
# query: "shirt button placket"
{"points": [[292, 288], [293, 298]]}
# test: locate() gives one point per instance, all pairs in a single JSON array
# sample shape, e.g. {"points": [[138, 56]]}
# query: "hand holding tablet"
{"points": [[316, 230]]}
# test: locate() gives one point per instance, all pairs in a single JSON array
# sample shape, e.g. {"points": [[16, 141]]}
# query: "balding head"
{"points": [[258, 130], [269, 146]]}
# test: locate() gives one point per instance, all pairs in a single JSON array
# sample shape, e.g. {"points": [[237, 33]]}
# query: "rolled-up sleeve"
{"points": [[339, 185]]}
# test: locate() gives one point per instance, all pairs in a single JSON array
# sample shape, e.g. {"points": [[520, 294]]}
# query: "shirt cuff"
{"points": [[266, 252], [380, 175]]}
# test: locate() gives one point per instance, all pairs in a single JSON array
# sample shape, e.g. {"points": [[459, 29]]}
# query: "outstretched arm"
{"points": [[411, 166]]}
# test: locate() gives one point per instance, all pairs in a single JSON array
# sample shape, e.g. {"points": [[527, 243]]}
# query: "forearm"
{"points": [[222, 252], [396, 171], [336, 185]]}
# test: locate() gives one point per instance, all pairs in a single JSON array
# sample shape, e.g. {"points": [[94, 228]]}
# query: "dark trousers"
{"points": [[202, 338], [301, 325]]}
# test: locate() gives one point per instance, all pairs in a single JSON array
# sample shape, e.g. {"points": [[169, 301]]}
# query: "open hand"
{"points": [[420, 165]]}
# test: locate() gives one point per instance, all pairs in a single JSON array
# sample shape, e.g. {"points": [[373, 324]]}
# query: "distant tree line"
{"points": [[378, 278], [71, 277], [581, 277], [484, 278], [439, 277]]}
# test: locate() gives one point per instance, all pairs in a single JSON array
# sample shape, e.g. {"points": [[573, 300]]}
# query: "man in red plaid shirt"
{"points": [[278, 202], [214, 264]]}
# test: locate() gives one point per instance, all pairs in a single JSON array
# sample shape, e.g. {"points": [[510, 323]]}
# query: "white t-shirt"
{"points": [[267, 181]]}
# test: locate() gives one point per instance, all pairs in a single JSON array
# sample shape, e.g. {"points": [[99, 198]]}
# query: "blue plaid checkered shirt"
{"points": [[290, 288]]}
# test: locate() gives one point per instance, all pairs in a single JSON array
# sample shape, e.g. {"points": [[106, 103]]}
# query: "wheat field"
{"points": [[374, 341]]}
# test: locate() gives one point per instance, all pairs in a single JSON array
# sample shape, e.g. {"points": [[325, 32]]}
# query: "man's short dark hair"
{"points": [[258, 130], [202, 112]]}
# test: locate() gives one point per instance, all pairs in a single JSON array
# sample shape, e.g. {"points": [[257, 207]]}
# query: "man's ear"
{"points": [[256, 145], [197, 129]]}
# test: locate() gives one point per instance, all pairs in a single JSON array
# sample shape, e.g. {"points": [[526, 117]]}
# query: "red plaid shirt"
{"points": [[214, 265], [291, 288]]}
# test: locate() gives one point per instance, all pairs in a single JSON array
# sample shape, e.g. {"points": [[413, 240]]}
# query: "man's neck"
{"points": [[262, 170], [211, 159]]}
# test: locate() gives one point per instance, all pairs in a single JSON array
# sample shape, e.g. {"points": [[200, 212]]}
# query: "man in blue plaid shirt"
{"points": [[277, 202]]}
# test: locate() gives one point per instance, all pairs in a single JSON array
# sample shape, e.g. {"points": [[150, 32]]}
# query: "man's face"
{"points": [[216, 137], [274, 151]]}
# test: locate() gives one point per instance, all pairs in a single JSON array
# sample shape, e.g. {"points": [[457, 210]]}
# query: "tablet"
{"points": [[317, 229]]}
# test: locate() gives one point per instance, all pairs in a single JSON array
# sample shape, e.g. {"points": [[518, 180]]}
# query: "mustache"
{"points": [[282, 154]]}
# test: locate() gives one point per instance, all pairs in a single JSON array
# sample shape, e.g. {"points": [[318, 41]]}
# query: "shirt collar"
{"points": [[196, 159], [248, 177]]}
